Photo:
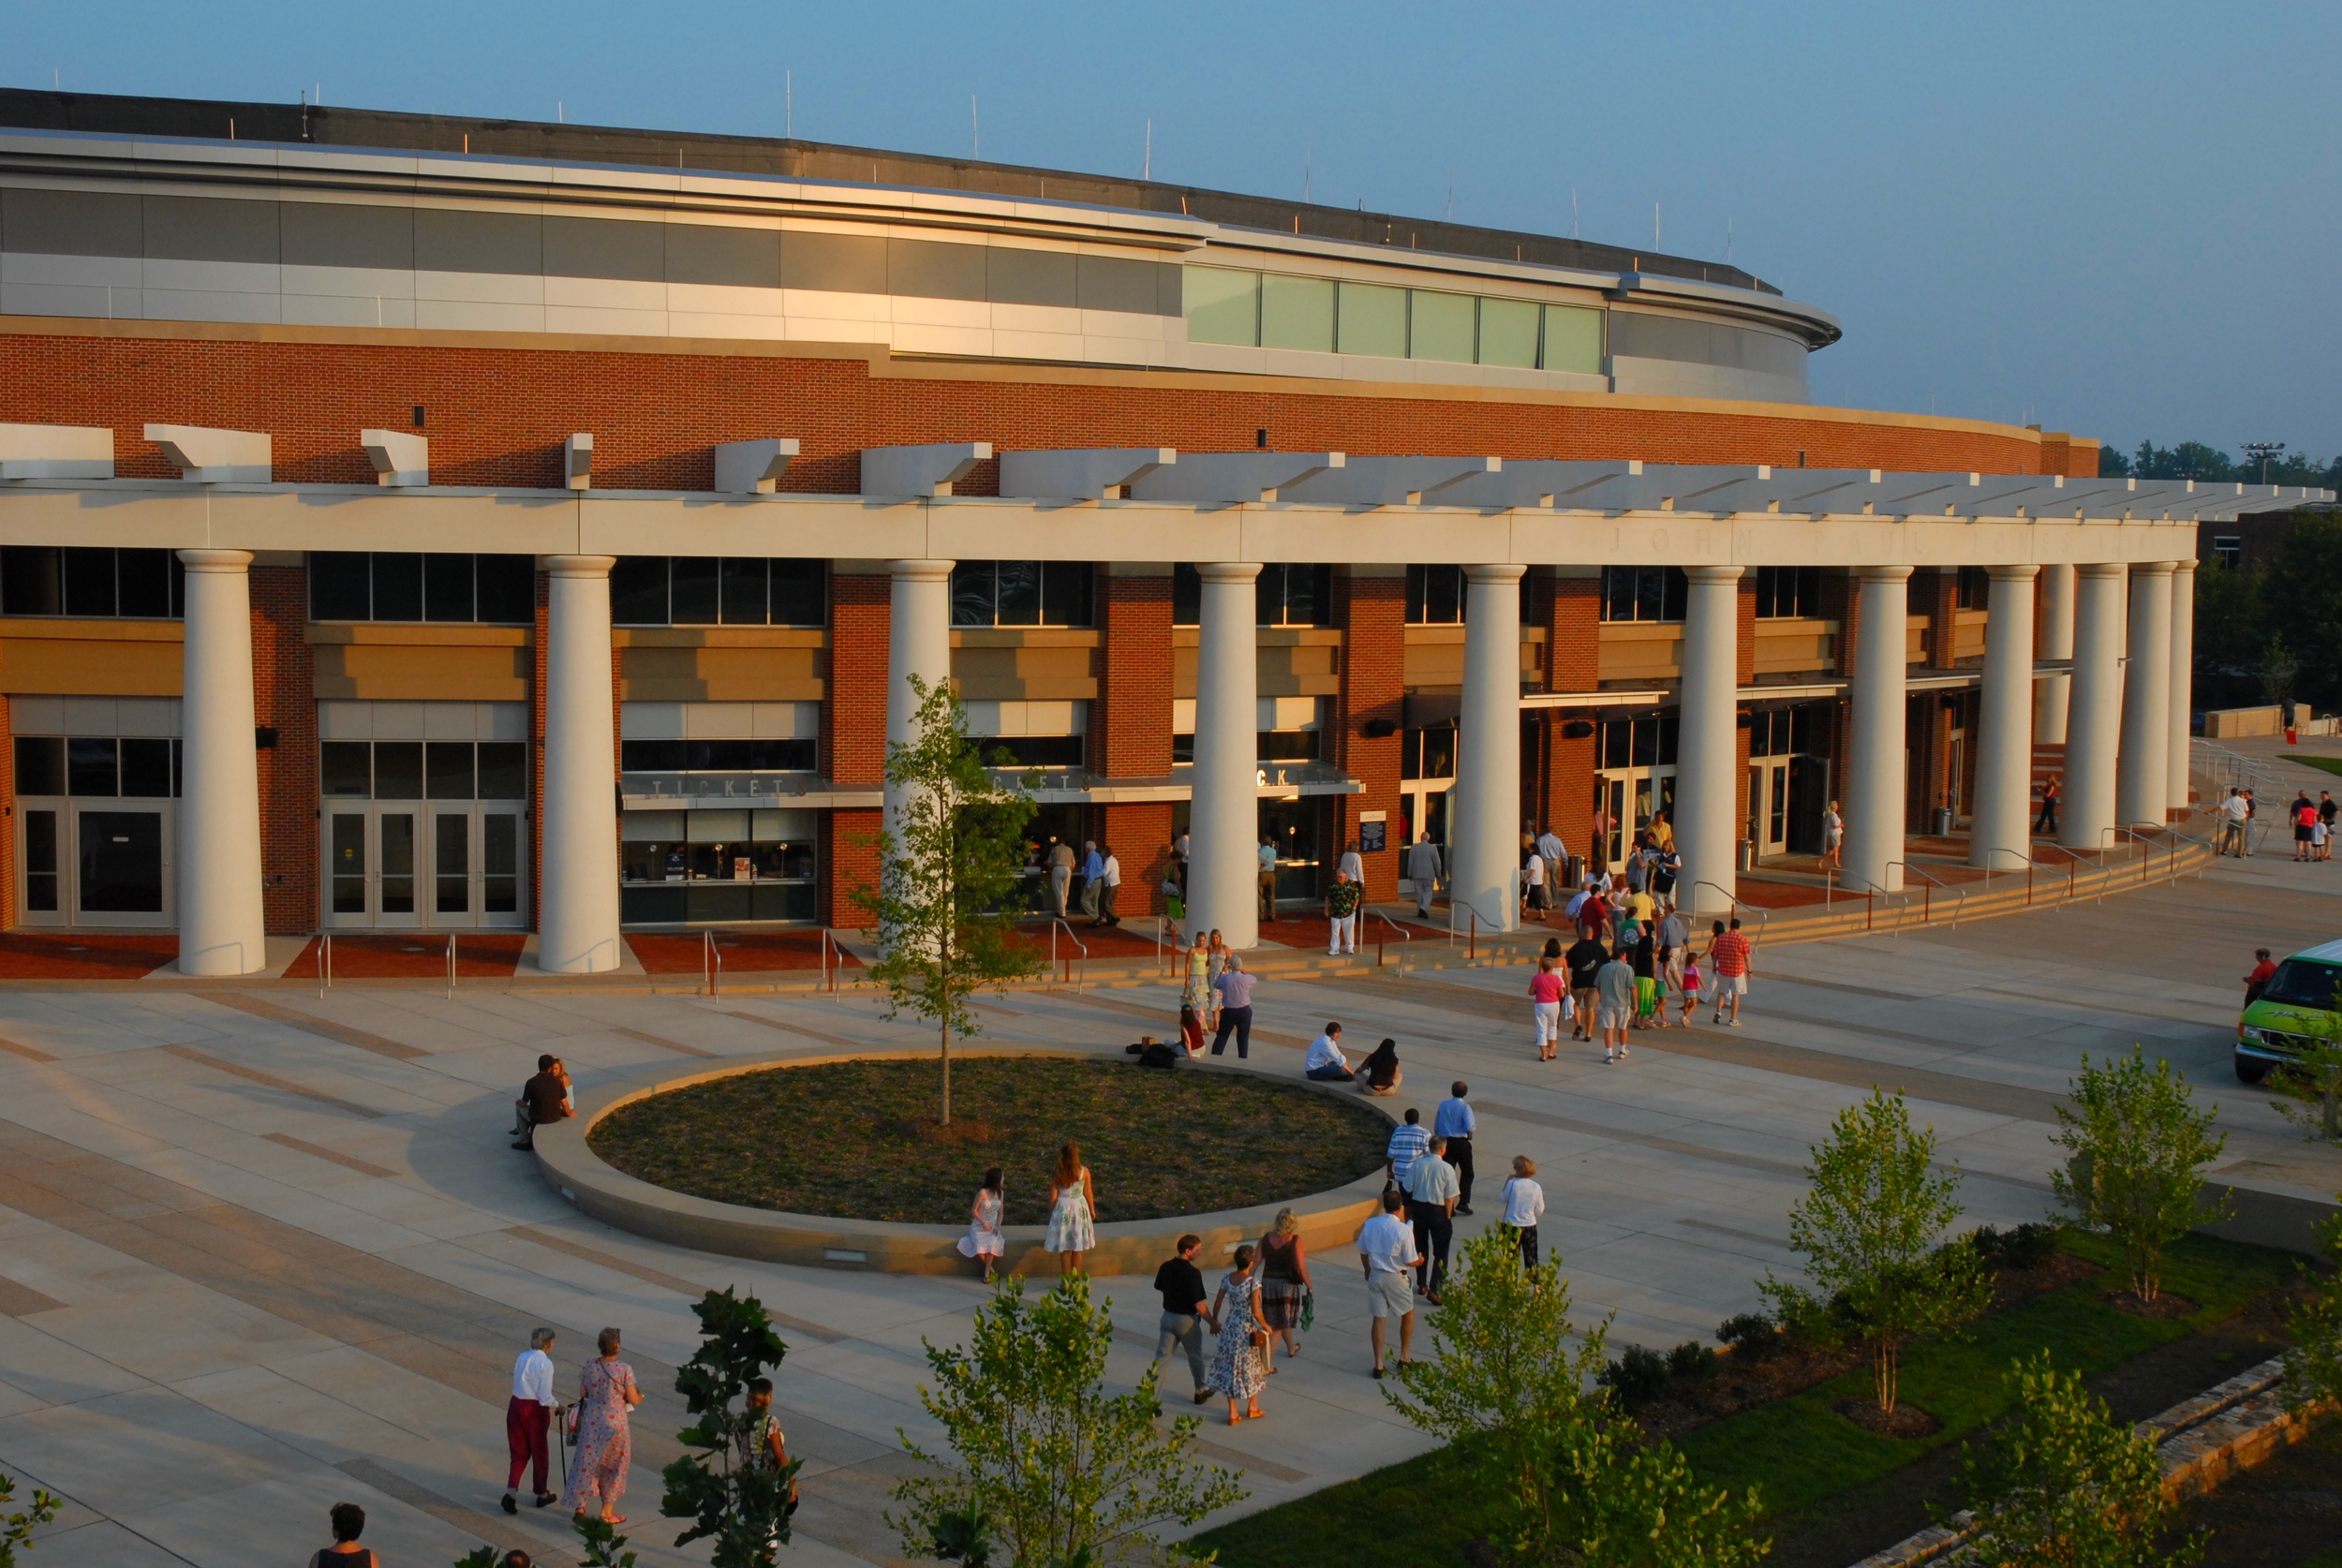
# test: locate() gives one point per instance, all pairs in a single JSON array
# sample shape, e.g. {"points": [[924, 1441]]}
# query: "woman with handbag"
{"points": [[1284, 1284], [1236, 1366], [603, 1448]]}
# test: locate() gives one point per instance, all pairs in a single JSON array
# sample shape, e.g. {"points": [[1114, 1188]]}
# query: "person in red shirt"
{"points": [[1733, 961], [2305, 817], [2258, 981]]}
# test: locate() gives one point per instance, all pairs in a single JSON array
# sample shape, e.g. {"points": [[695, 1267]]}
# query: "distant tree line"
{"points": [[2194, 460], [2271, 630]]}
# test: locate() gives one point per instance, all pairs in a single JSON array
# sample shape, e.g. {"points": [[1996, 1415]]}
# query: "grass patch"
{"points": [[1797, 1449], [2323, 765], [856, 1139]]}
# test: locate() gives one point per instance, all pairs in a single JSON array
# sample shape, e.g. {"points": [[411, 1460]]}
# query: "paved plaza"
{"points": [[263, 1253]]}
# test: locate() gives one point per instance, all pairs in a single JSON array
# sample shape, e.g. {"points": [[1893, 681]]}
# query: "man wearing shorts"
{"points": [[1832, 837], [1387, 1255], [1732, 958], [1584, 960], [1614, 988]]}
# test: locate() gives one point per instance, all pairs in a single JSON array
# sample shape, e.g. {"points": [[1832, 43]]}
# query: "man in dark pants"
{"points": [[543, 1098], [1432, 1189], [1454, 1122], [1236, 1008]]}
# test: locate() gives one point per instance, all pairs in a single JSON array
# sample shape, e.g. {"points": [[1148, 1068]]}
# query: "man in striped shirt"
{"points": [[1733, 960], [1409, 1142]]}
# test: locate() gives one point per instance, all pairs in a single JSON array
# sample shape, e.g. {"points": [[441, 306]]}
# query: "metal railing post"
{"points": [[325, 962], [450, 965]]}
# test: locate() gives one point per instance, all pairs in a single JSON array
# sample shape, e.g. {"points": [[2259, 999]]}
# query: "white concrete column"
{"points": [[2001, 825], [2146, 746], [577, 926], [2094, 722], [1710, 785], [2051, 692], [1223, 819], [1874, 803], [918, 642], [2183, 682], [221, 927], [1483, 809]]}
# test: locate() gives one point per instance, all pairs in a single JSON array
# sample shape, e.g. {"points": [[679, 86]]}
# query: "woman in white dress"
{"points": [[1073, 1210], [983, 1240], [1235, 1365]]}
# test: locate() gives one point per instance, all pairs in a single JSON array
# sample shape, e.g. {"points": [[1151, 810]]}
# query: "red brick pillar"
{"points": [[1942, 653], [1130, 724], [1841, 602], [1573, 662], [854, 737], [1744, 666], [1371, 610], [9, 913], [284, 699]]}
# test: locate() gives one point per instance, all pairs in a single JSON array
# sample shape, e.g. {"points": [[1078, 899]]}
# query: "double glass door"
{"points": [[410, 865]]}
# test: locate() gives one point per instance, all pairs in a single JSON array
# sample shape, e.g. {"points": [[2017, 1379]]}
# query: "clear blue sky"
{"points": [[2115, 219]]}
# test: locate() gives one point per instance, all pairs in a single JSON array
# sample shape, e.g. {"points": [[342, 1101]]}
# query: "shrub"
{"points": [[1692, 1361], [2137, 1146], [2313, 1366], [1637, 1377], [1752, 1335], [2029, 1246]]}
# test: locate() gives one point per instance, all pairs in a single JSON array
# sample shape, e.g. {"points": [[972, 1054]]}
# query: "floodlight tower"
{"points": [[2263, 451]]}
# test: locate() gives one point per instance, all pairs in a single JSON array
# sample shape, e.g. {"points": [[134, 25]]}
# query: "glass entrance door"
{"points": [[120, 879], [397, 864]]}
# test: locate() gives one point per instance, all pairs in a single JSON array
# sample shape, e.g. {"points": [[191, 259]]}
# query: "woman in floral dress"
{"points": [[1236, 1366], [605, 1391], [1073, 1210], [1197, 993]]}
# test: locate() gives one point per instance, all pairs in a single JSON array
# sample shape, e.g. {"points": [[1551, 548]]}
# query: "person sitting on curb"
{"points": [[1326, 1062], [544, 1099]]}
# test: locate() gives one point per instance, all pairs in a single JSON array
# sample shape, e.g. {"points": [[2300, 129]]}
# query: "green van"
{"points": [[2305, 991]]}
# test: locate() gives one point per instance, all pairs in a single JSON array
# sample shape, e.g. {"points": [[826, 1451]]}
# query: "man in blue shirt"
{"points": [[1093, 879], [1453, 1121]]}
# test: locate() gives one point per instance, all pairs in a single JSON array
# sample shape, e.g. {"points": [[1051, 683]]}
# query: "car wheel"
{"points": [[2251, 1070]]}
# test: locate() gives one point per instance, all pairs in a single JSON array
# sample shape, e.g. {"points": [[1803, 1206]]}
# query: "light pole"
{"points": [[2263, 451]]}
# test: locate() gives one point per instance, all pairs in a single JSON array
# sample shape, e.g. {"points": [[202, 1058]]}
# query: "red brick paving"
{"points": [[415, 955], [83, 954], [743, 951]]}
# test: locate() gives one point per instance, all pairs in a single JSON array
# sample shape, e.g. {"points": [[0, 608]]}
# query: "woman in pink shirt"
{"points": [[1546, 990]]}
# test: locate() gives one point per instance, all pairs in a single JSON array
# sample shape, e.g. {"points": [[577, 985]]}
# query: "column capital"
{"points": [[2188, 565], [922, 570], [2012, 574], [2153, 569], [1495, 573], [1883, 573], [215, 560], [2101, 569], [580, 566], [1714, 573], [1227, 572]]}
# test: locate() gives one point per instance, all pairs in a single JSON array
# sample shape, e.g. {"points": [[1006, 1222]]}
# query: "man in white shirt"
{"points": [[1353, 864], [1268, 880], [1110, 873], [2234, 812], [1532, 883], [1554, 852], [1326, 1063], [1431, 1191], [529, 1419], [1423, 871], [1386, 1253]]}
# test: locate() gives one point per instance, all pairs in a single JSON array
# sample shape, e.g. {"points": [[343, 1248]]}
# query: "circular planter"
{"points": [[583, 1179]]}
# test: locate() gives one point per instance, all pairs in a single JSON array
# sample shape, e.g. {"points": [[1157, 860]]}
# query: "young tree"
{"points": [[1580, 1484], [2312, 1080], [2137, 1144], [2313, 1368], [2065, 1482], [1868, 1229], [724, 1488], [16, 1530], [948, 866], [1063, 1470]]}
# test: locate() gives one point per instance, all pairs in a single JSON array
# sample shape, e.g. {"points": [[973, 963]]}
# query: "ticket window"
{"points": [[716, 868], [96, 817]]}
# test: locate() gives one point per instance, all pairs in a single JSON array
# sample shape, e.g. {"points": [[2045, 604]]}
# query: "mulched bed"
{"points": [[2165, 1304], [1907, 1420], [857, 1139]]}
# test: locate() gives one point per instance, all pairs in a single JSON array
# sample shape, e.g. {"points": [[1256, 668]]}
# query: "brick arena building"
{"points": [[409, 522]]}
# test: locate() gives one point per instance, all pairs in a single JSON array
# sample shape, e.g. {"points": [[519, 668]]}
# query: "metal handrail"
{"points": [[1055, 922], [711, 964], [1404, 934], [1927, 895], [450, 965], [2027, 860], [1764, 916], [325, 962], [1472, 943], [829, 946]]}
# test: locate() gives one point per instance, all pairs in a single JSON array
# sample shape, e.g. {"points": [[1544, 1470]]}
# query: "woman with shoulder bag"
{"points": [[1285, 1285], [1236, 1366]]}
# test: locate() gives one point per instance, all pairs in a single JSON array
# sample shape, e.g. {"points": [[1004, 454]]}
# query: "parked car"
{"points": [[2296, 1006]]}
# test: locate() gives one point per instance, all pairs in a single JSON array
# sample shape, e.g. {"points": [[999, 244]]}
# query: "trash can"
{"points": [[1747, 860], [1943, 822], [1574, 871]]}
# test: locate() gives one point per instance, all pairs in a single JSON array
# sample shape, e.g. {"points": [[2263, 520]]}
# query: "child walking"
{"points": [[983, 1240]]}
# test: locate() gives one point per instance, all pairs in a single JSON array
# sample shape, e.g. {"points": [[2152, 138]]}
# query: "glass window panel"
{"points": [[346, 769], [1618, 593], [1373, 320], [503, 770], [350, 863], [339, 586], [1296, 312], [447, 587], [657, 755], [1650, 595], [89, 582], [1441, 327], [451, 864], [448, 769], [1066, 589], [1186, 595], [30, 580], [1222, 305], [638, 591], [1573, 339], [1508, 332], [1288, 745], [178, 766], [1667, 727], [1268, 595], [500, 859], [1616, 735], [800, 592], [178, 585], [40, 859], [146, 769], [508, 590], [397, 587], [398, 862], [90, 767], [1021, 593], [1439, 752], [1034, 751], [783, 755], [1309, 595], [1801, 729], [39, 765], [1443, 595], [1414, 595], [142, 580], [398, 770], [973, 593], [1675, 592], [1645, 746], [694, 593], [742, 589], [720, 756]]}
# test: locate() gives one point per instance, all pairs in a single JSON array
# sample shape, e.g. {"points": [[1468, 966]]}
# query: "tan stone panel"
{"points": [[723, 674], [1791, 647], [1640, 651], [379, 672], [98, 667]]}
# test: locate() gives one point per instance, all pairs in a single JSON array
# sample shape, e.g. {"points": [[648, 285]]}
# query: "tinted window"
{"points": [[2304, 983], [344, 769], [39, 765], [398, 770], [146, 768], [800, 592], [638, 590], [31, 582], [89, 767], [447, 770], [704, 253], [693, 590], [89, 582], [503, 770], [507, 589], [447, 587], [338, 585], [397, 587]]}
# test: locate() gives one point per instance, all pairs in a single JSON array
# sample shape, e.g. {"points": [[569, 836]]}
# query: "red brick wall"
{"points": [[1572, 663], [9, 912], [284, 699], [499, 416], [853, 736], [1139, 833], [1129, 726], [1372, 613]]}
